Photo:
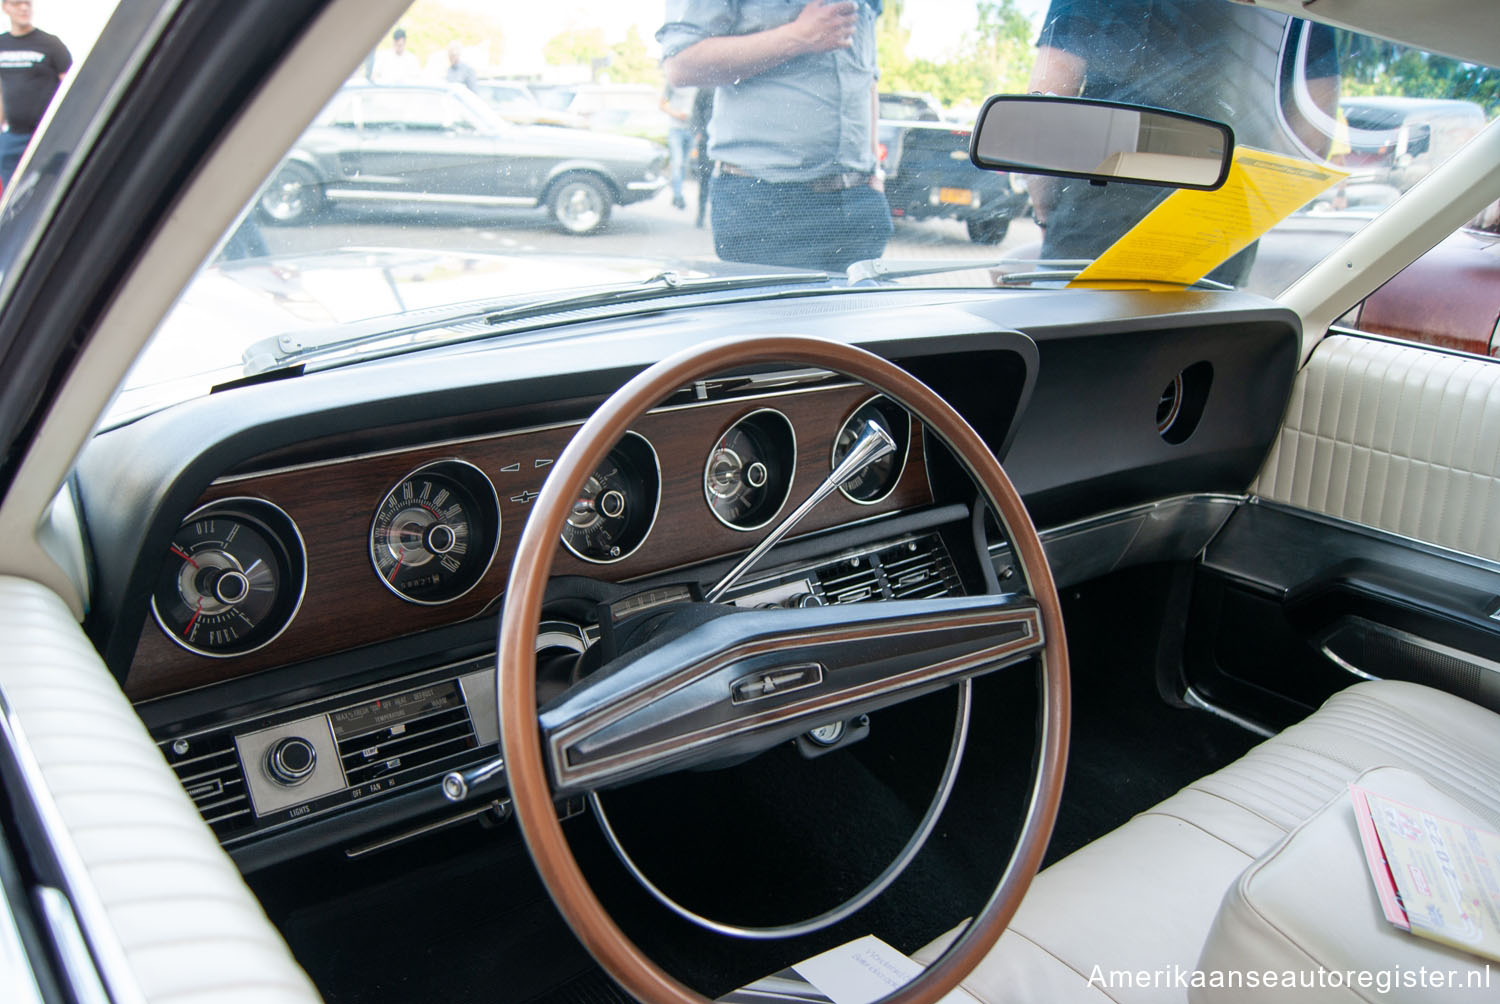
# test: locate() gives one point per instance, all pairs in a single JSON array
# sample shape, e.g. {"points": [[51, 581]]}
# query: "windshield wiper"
{"points": [[872, 270], [483, 319]]}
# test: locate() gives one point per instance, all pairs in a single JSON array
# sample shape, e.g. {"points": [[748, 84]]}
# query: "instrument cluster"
{"points": [[445, 522]]}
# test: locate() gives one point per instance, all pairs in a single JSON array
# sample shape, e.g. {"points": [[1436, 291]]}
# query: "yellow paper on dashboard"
{"points": [[1190, 233]]}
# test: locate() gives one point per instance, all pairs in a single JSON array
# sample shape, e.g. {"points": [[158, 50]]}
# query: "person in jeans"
{"points": [[793, 127], [32, 64], [677, 102]]}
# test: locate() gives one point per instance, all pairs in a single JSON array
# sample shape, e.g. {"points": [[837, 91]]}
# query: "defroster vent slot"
{"points": [[209, 770]]}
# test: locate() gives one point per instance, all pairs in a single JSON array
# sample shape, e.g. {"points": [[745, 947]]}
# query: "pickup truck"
{"points": [[928, 173]]}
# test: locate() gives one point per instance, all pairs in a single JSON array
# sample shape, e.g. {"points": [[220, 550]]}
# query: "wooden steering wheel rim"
{"points": [[516, 688]]}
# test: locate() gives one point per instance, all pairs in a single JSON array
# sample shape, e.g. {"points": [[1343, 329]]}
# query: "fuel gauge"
{"points": [[233, 578]]}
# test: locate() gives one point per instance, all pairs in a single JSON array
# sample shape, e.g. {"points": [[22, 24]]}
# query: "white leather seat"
{"points": [[162, 904], [1144, 897]]}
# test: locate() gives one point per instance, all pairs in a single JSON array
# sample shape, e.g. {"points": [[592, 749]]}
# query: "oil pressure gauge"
{"points": [[435, 533], [233, 578]]}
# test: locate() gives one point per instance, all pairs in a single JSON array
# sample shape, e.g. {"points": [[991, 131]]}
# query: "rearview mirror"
{"points": [[1102, 141]]}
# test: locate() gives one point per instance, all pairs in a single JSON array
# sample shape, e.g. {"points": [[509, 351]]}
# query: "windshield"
{"points": [[489, 154]]}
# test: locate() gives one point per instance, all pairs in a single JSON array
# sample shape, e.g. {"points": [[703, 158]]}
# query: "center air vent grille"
{"points": [[416, 746], [209, 769], [919, 568]]}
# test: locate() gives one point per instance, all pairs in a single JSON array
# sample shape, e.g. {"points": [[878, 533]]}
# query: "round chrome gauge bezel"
{"points": [[490, 497], [655, 508], [298, 554], [708, 497], [905, 451]]}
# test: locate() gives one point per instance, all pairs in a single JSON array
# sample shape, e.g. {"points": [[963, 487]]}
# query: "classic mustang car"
{"points": [[494, 622], [412, 145]]}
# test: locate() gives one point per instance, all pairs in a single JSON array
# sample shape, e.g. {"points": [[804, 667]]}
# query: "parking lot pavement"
{"points": [[651, 228]]}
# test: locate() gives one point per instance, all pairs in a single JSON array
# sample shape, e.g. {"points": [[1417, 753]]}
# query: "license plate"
{"points": [[955, 196]]}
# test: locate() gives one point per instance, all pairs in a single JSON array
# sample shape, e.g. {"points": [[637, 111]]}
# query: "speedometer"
{"points": [[617, 506], [435, 533], [749, 472]]}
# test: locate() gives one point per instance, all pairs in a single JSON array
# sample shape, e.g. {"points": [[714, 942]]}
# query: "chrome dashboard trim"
{"points": [[1177, 528], [445, 444]]}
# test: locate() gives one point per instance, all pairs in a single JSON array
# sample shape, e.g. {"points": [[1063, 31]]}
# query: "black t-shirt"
{"points": [[30, 67], [1221, 61]]}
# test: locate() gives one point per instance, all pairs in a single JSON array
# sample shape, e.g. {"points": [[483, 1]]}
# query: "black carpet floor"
{"points": [[461, 917]]}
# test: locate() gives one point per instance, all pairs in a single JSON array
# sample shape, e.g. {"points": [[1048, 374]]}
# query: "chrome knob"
{"points": [[291, 761]]}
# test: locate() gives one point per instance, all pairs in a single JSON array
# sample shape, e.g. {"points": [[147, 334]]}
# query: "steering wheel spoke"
{"points": [[672, 700], [745, 681]]}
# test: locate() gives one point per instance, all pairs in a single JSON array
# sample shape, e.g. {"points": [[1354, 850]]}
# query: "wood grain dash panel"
{"points": [[333, 504]]}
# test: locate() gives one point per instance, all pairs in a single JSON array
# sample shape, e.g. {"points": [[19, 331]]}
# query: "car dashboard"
{"points": [[297, 581]]}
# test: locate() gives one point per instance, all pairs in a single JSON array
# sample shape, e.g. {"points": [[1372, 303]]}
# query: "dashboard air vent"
{"points": [[1181, 404], [209, 769], [918, 568], [412, 747]]}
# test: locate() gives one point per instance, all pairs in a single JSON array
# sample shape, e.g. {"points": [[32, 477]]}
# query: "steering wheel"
{"points": [[699, 690]]}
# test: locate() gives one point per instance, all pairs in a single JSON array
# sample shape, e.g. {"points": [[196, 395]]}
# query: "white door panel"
{"points": [[1397, 437]]}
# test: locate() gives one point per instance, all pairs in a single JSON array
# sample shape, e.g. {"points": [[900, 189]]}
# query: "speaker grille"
{"points": [[1388, 654]]}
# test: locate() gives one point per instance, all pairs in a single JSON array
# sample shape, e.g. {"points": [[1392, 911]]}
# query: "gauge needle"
{"points": [[187, 632], [399, 558], [184, 555]]}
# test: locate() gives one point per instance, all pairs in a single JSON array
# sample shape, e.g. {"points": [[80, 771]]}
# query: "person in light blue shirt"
{"points": [[793, 126]]}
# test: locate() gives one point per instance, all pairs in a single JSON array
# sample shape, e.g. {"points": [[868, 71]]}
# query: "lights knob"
{"points": [[290, 761]]}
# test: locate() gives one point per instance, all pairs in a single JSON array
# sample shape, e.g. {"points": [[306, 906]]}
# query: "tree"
{"points": [[995, 56], [431, 24], [632, 63], [1370, 66], [576, 47]]}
